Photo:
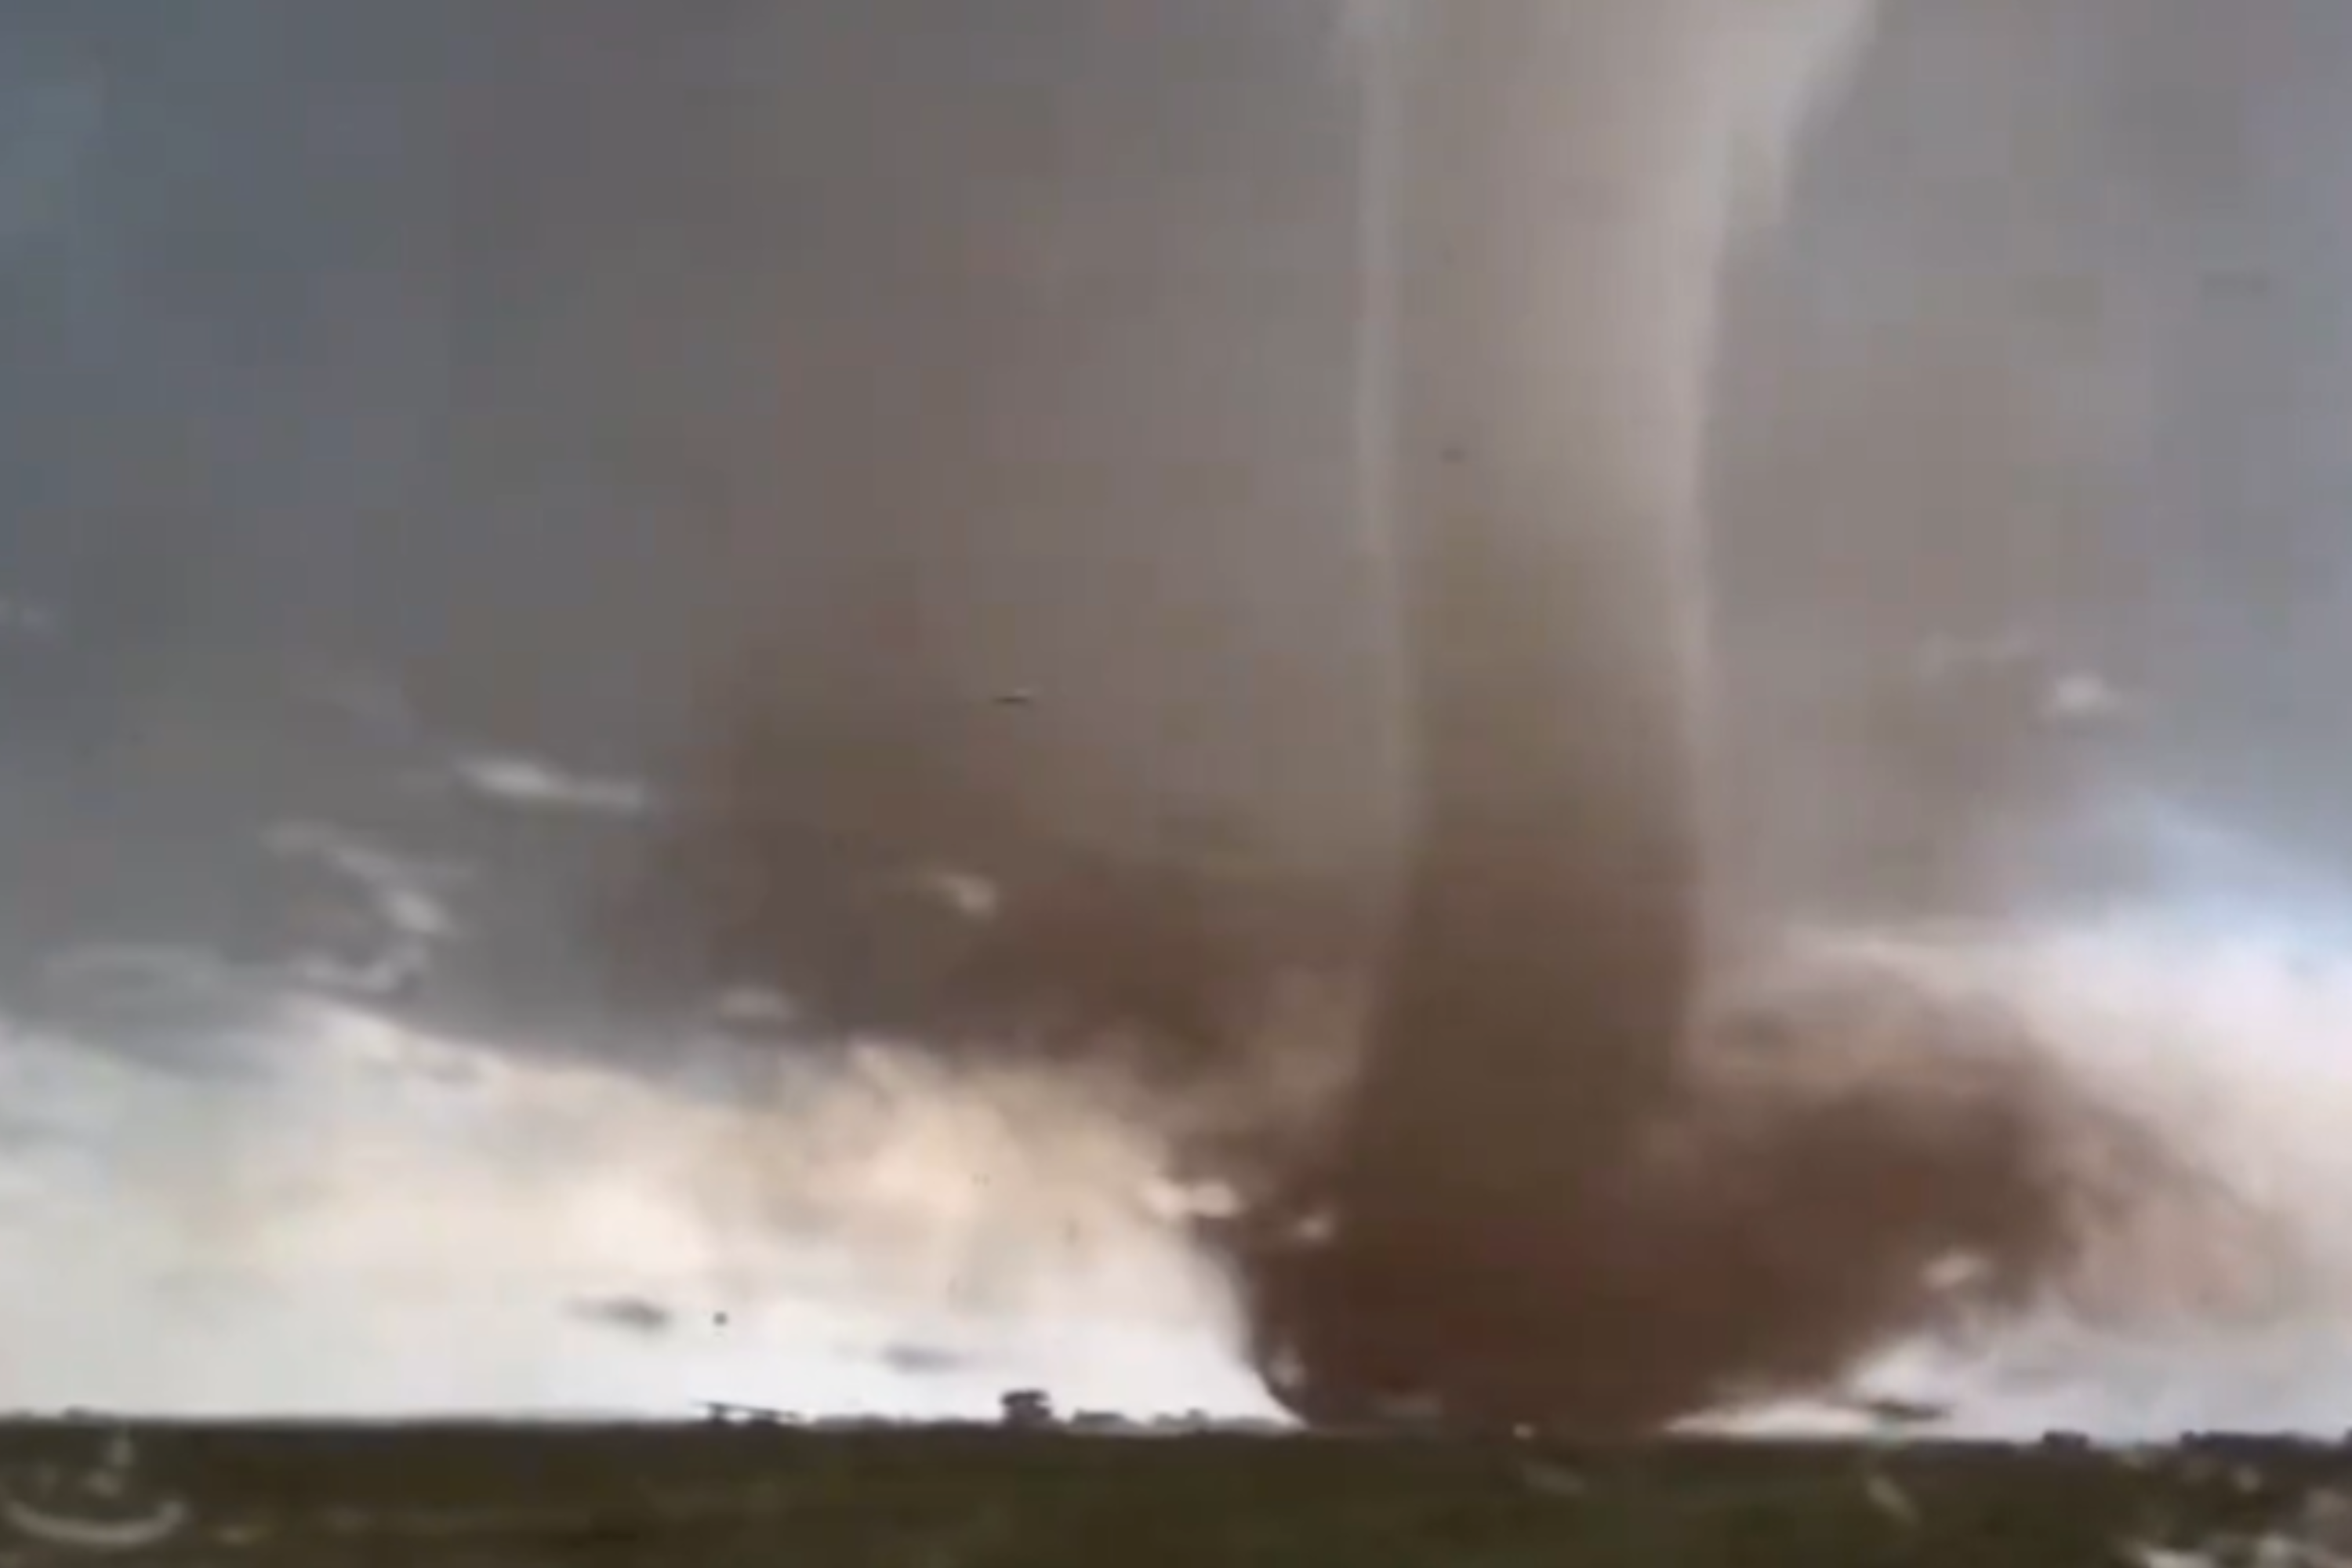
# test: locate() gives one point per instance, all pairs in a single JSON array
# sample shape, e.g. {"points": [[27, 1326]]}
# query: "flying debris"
{"points": [[628, 1314], [911, 1359]]}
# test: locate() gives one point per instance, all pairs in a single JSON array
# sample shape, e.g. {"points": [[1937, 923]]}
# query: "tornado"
{"points": [[1574, 1148], [1499, 1228]]}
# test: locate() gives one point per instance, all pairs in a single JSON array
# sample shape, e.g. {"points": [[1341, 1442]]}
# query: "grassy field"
{"points": [[951, 1498]]}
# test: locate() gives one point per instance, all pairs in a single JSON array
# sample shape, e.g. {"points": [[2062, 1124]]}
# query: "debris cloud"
{"points": [[1573, 1147]]}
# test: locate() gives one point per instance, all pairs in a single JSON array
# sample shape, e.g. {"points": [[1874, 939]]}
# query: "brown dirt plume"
{"points": [[1538, 1207], [1483, 1218], [1554, 1188], [1849, 1155]]}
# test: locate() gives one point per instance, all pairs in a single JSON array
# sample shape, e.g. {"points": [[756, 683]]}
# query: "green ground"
{"points": [[977, 1499]]}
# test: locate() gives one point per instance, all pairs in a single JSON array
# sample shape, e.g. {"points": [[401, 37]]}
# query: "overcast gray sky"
{"points": [[544, 361]]}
